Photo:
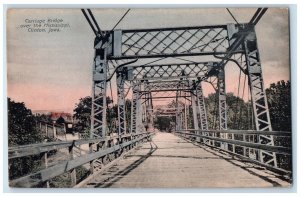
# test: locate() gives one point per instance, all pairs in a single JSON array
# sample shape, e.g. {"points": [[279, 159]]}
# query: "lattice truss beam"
{"points": [[182, 41], [157, 86], [170, 71]]}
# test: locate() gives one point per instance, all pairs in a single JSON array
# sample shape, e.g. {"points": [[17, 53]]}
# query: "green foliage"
{"points": [[44, 117], [22, 130], [22, 166], [82, 114], [279, 102], [238, 112], [21, 125]]}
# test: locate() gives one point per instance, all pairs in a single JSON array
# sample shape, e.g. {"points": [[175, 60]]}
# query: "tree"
{"points": [[279, 102], [21, 130], [82, 114], [238, 112], [21, 125]]}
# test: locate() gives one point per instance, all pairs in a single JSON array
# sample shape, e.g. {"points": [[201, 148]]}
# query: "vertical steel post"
{"points": [[202, 116], [178, 112], [149, 111], [98, 116], [121, 103], [258, 95], [222, 105], [134, 103], [201, 107], [195, 113], [194, 108]]}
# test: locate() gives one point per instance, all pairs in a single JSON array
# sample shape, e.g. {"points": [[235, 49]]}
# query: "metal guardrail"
{"points": [[210, 137], [276, 149], [245, 132], [71, 162]]}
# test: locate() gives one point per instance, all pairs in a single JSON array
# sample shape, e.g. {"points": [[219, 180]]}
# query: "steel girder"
{"points": [[169, 71], [157, 86], [163, 42], [194, 110], [201, 107], [178, 113], [121, 103], [201, 110], [134, 107], [149, 120], [222, 105], [258, 95], [98, 114]]}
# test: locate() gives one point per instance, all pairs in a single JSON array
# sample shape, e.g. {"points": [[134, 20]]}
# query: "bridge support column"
{"points": [[178, 113], [222, 106], [98, 116], [202, 116], [258, 95], [121, 103], [194, 108], [135, 107], [149, 112]]}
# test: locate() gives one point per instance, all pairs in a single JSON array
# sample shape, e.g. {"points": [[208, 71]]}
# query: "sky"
{"points": [[52, 71]]}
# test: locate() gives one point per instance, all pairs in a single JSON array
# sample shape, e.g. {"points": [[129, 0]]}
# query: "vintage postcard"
{"points": [[149, 98]]}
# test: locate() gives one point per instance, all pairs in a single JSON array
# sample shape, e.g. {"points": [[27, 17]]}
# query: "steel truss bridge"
{"points": [[119, 53]]}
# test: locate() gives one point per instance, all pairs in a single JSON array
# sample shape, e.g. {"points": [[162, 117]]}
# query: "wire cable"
{"points": [[120, 66], [120, 19], [260, 15], [88, 20], [232, 60], [95, 22], [257, 16], [237, 99], [240, 108], [232, 16]]}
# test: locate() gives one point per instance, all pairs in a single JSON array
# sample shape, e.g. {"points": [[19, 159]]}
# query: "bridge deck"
{"points": [[171, 162]]}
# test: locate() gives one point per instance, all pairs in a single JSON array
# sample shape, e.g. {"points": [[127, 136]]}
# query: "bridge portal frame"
{"points": [[222, 40]]}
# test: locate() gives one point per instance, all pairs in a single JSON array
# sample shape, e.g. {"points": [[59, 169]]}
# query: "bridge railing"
{"points": [[244, 144], [58, 158]]}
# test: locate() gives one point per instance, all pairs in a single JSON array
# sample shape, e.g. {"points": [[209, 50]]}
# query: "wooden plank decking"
{"points": [[171, 162]]}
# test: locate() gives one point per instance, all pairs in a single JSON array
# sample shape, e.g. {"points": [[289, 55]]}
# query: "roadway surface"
{"points": [[171, 162]]}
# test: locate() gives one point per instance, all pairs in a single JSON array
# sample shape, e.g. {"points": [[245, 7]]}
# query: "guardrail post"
{"points": [[91, 162], [73, 171], [44, 164]]}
